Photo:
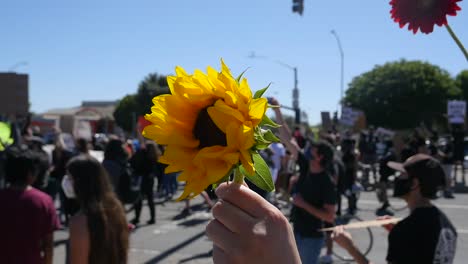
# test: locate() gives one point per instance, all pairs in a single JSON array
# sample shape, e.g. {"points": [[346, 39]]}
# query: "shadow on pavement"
{"points": [[175, 248], [60, 242], [193, 222], [208, 254]]}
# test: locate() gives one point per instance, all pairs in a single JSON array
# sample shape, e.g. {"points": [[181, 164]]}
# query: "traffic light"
{"points": [[297, 118], [298, 6]]}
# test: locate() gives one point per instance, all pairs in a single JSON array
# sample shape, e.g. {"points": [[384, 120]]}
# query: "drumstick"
{"points": [[365, 224]]}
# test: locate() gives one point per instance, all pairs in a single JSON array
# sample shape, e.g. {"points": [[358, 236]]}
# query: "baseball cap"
{"points": [[425, 168]]}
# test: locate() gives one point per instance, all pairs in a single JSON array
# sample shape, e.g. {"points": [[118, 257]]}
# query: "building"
{"points": [[82, 121], [14, 97]]}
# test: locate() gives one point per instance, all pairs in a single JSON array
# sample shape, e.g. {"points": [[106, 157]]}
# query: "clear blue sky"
{"points": [[101, 50]]}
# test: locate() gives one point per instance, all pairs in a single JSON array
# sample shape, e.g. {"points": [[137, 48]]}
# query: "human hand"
{"points": [[343, 238], [273, 101], [387, 227], [299, 201], [248, 229]]}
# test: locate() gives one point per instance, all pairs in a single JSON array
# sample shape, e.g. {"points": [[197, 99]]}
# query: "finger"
{"points": [[219, 257], [245, 199], [220, 235], [232, 217]]}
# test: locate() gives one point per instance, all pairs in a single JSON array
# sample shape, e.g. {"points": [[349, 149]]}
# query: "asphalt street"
{"points": [[180, 238]]}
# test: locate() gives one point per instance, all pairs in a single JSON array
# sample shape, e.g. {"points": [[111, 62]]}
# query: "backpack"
{"points": [[129, 185]]}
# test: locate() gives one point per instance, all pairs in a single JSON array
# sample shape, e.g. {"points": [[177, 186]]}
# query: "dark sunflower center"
{"points": [[207, 132]]}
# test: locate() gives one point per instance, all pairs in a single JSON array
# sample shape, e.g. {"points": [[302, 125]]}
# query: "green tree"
{"points": [[402, 94], [125, 113], [462, 83], [153, 85], [134, 105]]}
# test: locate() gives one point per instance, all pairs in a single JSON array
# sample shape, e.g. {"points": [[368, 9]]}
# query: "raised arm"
{"points": [[284, 130]]}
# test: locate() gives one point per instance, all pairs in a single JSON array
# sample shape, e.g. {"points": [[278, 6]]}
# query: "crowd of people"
{"points": [[68, 187], [71, 187], [327, 170]]}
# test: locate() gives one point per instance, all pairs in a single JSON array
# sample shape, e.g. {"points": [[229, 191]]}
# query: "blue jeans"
{"points": [[309, 248]]}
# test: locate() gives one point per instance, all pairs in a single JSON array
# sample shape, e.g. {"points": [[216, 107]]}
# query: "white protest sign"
{"points": [[348, 116], [83, 129], [456, 111]]}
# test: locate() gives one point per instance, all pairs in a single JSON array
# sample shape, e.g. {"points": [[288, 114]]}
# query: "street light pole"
{"points": [[342, 63], [295, 92]]}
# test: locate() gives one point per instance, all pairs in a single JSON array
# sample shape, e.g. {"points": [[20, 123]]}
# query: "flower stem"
{"points": [[238, 176], [460, 45]]}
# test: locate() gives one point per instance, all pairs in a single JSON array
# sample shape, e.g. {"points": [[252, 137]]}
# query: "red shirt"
{"points": [[26, 217]]}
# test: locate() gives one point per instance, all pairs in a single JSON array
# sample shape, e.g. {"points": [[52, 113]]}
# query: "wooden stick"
{"points": [[365, 224]]}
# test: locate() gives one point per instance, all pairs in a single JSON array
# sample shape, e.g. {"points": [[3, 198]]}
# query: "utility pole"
{"points": [[342, 64], [295, 91]]}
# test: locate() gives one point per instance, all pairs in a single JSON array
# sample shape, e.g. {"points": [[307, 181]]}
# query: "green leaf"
{"points": [[261, 146], [262, 178], [268, 135], [266, 121], [240, 76], [260, 92]]}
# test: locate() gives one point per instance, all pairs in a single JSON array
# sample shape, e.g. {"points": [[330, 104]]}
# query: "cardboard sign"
{"points": [[348, 116], [456, 111], [326, 120], [365, 224]]}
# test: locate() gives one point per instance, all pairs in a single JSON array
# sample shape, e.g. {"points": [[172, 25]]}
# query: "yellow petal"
{"points": [[247, 163], [222, 115], [179, 158], [244, 91], [180, 72], [169, 136], [225, 68], [257, 109]]}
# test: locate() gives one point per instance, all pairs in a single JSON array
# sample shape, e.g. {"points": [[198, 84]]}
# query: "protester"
{"points": [[115, 162], [446, 154], [314, 193], [385, 172], [28, 215], [426, 235], [350, 162], [99, 231], [144, 168], [60, 157]]}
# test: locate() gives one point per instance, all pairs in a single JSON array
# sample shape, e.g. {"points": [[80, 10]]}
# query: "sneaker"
{"points": [[186, 211], [384, 211], [448, 195], [326, 259]]}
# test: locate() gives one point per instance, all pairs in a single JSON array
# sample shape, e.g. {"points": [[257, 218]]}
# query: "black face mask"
{"points": [[401, 187]]}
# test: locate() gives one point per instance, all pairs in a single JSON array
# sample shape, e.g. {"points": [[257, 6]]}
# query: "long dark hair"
{"points": [[108, 230]]}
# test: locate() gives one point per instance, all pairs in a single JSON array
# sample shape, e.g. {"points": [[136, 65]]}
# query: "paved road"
{"points": [[176, 238]]}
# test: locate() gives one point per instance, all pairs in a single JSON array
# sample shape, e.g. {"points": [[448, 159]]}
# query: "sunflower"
{"points": [[423, 14], [208, 124]]}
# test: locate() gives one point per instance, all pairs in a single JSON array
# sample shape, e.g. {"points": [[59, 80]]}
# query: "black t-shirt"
{"points": [[317, 190], [425, 236]]}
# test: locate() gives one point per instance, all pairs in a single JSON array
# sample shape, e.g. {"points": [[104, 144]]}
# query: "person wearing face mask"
{"points": [[314, 199], [426, 235]]}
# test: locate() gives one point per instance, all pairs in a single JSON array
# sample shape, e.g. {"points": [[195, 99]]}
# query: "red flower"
{"points": [[423, 14]]}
